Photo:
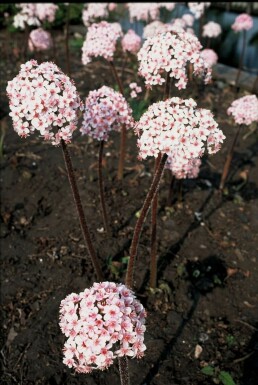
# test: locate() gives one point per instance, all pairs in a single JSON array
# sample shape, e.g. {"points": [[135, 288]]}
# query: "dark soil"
{"points": [[207, 244]]}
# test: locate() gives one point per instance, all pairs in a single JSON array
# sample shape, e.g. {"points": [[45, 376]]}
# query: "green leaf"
{"points": [[208, 370], [226, 378]]}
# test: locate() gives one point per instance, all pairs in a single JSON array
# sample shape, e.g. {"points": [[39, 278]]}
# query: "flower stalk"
{"points": [[139, 224], [228, 160], [122, 153], [77, 200], [101, 189]]}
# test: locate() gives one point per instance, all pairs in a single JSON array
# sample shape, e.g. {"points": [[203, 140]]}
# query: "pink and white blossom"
{"points": [[182, 167], [40, 40], [105, 110], [209, 56], [42, 98], [135, 89], [177, 126], [100, 41], [243, 22], [116, 330], [46, 11], [131, 42], [170, 53], [153, 28], [244, 110], [93, 12], [143, 11], [211, 29]]}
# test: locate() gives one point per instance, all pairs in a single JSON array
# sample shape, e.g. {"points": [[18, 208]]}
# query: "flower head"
{"points": [[143, 11], [43, 98], [182, 167], [105, 110], [94, 11], [244, 110], [242, 22], [177, 126], [209, 56], [101, 40], [46, 11], [169, 53], [211, 29], [101, 324], [131, 42], [40, 40]]}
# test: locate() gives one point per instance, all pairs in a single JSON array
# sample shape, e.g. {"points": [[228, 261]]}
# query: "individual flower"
{"points": [[211, 29], [42, 98], [101, 41], [170, 53], [209, 56], [94, 11], [105, 110], [177, 126], [182, 167], [40, 40], [198, 8], [143, 11], [131, 42], [242, 22], [135, 89], [244, 110], [101, 324]]}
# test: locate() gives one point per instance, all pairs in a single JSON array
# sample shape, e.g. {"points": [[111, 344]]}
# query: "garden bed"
{"points": [[207, 296]]}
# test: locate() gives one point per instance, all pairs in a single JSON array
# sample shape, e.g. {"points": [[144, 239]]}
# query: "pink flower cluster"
{"points": [[105, 110], [176, 126], [101, 324], [131, 42], [46, 11], [101, 41], [182, 167], [135, 90], [169, 53], [153, 28], [209, 56], [188, 19], [94, 11], [40, 40], [43, 98], [244, 110], [198, 8], [143, 11], [33, 13], [211, 29], [242, 22], [27, 15]]}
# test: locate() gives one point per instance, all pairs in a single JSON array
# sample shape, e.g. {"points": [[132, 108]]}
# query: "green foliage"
{"points": [[226, 378], [139, 107], [219, 376], [76, 43], [208, 370]]}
